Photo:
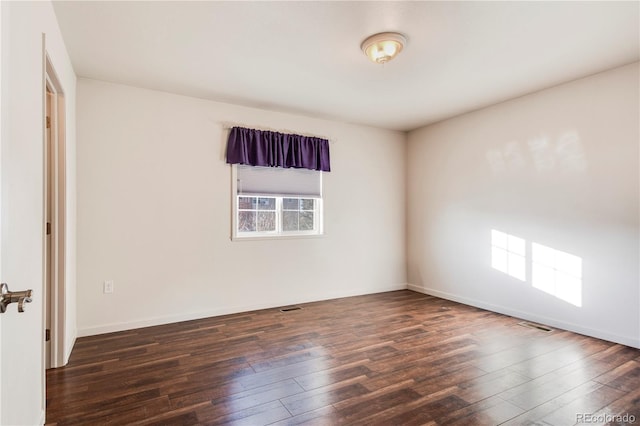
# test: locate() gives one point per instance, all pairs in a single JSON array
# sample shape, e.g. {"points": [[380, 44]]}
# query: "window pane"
{"points": [[266, 203], [246, 221], [306, 221], [289, 221], [246, 203], [266, 221], [306, 204], [290, 203]]}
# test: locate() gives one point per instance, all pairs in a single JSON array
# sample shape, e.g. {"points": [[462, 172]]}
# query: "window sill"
{"points": [[276, 237]]}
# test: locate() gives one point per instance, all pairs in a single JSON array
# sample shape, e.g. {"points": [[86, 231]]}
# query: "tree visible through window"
{"points": [[298, 214], [256, 214]]}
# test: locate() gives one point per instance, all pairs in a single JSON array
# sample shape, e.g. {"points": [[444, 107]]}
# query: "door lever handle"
{"points": [[7, 297]]}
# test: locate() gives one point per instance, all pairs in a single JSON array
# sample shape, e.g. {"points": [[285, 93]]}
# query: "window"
{"points": [[276, 202], [261, 215]]}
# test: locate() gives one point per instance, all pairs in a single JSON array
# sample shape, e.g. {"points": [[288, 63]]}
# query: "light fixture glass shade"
{"points": [[383, 47]]}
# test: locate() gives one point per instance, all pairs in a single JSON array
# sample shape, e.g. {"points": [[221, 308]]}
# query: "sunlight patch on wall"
{"points": [[553, 271], [543, 153], [565, 153], [509, 158], [557, 273], [508, 254]]}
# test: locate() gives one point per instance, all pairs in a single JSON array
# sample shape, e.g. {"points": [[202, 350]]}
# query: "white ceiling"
{"points": [[305, 57]]}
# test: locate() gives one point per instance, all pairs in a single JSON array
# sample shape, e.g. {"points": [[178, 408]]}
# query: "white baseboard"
{"points": [[587, 331], [169, 319]]}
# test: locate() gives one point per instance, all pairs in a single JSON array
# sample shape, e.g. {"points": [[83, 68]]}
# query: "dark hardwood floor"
{"points": [[398, 358]]}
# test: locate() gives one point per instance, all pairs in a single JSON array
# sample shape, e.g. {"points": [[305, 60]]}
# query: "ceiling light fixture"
{"points": [[383, 47]]}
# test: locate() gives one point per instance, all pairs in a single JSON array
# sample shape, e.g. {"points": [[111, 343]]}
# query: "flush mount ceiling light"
{"points": [[383, 47]]}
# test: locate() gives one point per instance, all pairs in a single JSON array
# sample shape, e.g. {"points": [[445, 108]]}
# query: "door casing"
{"points": [[55, 181]]}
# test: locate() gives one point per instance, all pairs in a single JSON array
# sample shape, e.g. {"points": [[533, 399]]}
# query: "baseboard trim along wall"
{"points": [[624, 340], [150, 322]]}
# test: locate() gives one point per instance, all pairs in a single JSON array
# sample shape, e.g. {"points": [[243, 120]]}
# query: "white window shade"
{"points": [[279, 181]]}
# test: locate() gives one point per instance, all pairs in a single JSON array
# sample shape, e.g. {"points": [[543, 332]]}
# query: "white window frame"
{"points": [[278, 233]]}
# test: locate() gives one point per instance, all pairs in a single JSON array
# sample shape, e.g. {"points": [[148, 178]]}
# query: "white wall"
{"points": [[23, 24], [558, 167], [154, 213]]}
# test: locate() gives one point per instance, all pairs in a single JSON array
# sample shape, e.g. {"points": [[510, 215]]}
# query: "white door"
{"points": [[22, 381]]}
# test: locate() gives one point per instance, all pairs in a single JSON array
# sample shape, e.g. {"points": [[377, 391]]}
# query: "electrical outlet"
{"points": [[107, 287]]}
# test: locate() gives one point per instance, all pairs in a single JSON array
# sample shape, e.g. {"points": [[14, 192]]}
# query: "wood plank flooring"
{"points": [[397, 358]]}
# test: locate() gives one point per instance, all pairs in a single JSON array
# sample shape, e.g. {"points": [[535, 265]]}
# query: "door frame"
{"points": [[1, 133], [56, 309]]}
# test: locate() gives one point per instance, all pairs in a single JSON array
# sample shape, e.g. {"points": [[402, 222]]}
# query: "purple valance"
{"points": [[274, 149]]}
